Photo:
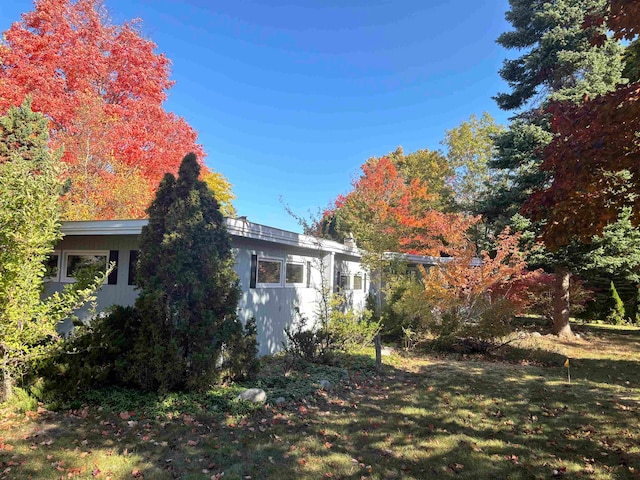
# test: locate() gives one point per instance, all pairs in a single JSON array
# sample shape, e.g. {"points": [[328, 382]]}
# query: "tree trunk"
{"points": [[561, 326]]}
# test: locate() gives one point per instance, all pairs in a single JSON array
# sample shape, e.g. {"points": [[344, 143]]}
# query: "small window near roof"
{"points": [[52, 267], [74, 261], [295, 273], [357, 282], [269, 271]]}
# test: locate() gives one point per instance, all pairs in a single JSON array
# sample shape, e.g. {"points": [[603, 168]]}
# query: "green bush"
{"points": [[617, 315], [22, 401], [306, 344], [240, 358], [351, 330], [405, 309], [93, 356]]}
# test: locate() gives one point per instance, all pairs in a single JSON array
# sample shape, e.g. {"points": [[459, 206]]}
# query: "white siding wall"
{"points": [[274, 307], [350, 266], [119, 294], [277, 307]]}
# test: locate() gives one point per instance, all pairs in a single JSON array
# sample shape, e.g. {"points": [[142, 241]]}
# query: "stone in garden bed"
{"points": [[253, 395]]}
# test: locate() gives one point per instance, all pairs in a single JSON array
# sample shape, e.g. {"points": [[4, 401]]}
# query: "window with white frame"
{"points": [[294, 273], [52, 267], [269, 272], [75, 260], [357, 282], [344, 282]]}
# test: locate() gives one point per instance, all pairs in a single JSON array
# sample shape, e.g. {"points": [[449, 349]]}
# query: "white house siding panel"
{"points": [[119, 294], [277, 307], [350, 266]]}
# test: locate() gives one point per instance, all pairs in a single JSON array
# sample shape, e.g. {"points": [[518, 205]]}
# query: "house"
{"points": [[280, 272]]}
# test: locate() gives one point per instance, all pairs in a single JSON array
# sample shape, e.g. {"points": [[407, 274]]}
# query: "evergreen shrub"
{"points": [[617, 315]]}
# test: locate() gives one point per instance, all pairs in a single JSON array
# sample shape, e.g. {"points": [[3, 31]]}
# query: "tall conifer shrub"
{"points": [[188, 289], [617, 315]]}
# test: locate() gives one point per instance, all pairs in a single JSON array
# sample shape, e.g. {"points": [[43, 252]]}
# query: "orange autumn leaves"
{"points": [[102, 86], [388, 213]]}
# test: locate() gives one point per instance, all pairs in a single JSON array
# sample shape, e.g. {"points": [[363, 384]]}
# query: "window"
{"points": [[52, 267], [295, 273], [133, 266], [357, 282], [73, 261], [269, 272], [344, 282]]}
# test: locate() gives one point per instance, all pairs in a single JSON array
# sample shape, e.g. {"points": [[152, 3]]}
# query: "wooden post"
{"points": [[378, 345]]}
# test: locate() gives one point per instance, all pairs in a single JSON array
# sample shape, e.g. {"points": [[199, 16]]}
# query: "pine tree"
{"points": [[188, 289], [559, 62]]}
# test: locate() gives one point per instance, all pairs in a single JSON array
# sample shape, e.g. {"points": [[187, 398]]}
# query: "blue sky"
{"points": [[290, 97]]}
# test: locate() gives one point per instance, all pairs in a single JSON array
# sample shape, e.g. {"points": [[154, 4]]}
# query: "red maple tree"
{"points": [[101, 85], [594, 158]]}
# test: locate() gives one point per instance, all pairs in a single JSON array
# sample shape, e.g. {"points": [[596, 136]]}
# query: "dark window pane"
{"points": [[51, 266], [295, 273], [133, 266], [77, 261], [269, 271]]}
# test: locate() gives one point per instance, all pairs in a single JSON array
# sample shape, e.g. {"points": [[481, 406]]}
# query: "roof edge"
{"points": [[239, 227]]}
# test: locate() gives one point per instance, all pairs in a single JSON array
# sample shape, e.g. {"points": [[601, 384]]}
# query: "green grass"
{"points": [[512, 415]]}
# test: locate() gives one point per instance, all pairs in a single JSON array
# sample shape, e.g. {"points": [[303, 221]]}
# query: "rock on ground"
{"points": [[253, 395], [325, 384]]}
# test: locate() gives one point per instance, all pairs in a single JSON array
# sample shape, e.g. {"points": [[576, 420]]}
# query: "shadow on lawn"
{"points": [[431, 419], [465, 419]]}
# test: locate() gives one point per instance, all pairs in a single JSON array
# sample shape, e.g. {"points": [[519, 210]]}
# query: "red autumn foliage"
{"points": [[622, 19], [383, 207], [595, 156], [536, 291], [469, 275], [102, 86], [473, 295]]}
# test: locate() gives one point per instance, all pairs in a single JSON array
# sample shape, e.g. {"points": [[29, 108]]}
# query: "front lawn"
{"points": [[514, 416]]}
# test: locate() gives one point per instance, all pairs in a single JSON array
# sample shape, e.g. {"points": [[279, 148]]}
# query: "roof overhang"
{"points": [[238, 227]]}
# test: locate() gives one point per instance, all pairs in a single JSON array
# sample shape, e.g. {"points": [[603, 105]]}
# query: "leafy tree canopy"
{"points": [[30, 188], [102, 86], [469, 148]]}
